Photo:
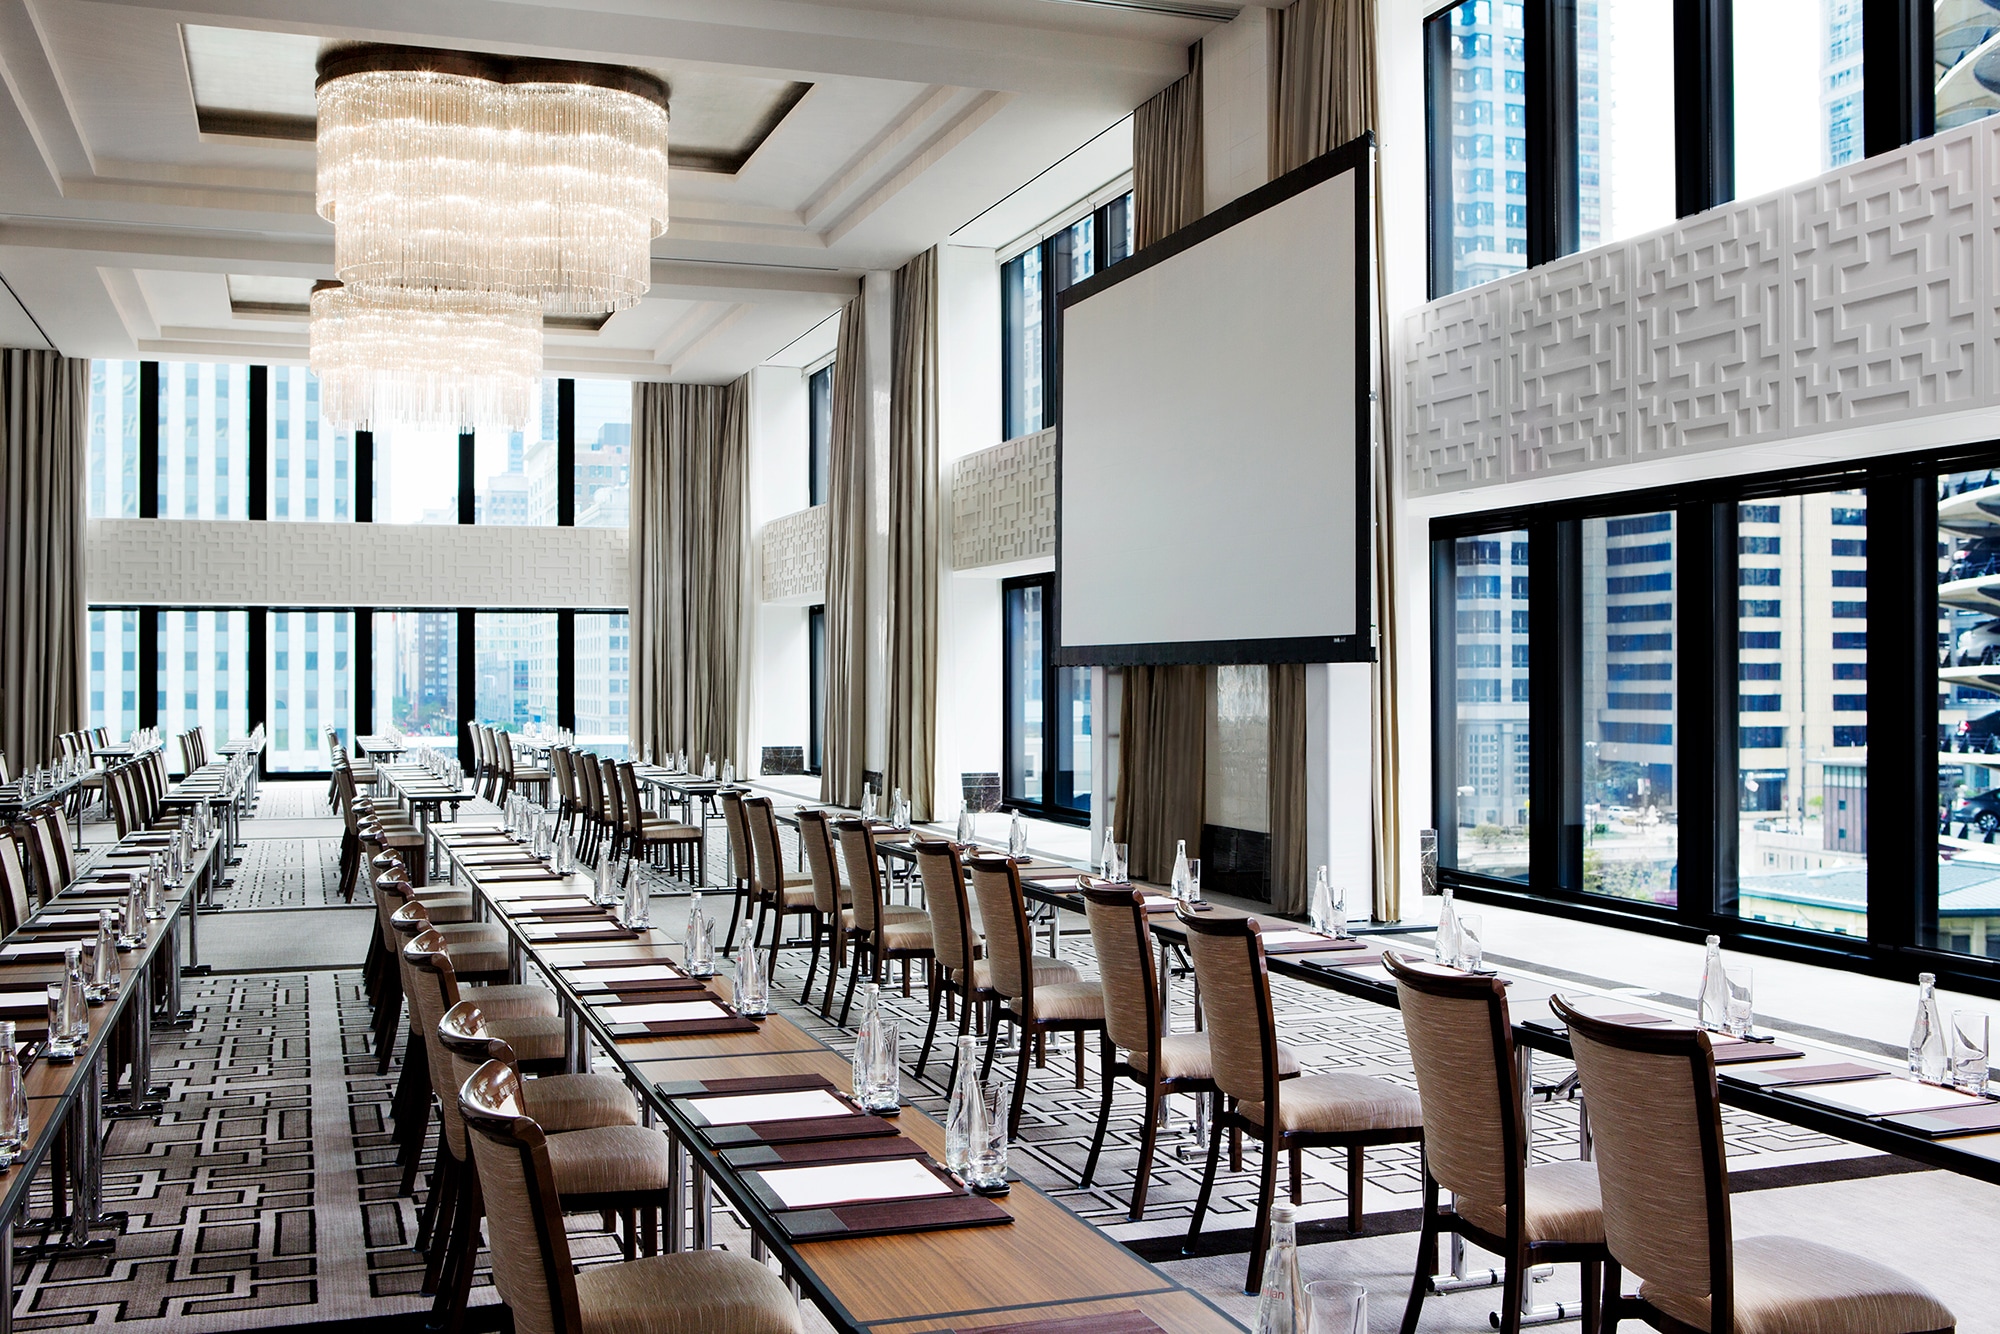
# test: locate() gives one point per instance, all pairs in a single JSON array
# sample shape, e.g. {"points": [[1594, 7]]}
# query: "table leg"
{"points": [[704, 1208], [675, 1239], [144, 1099]]}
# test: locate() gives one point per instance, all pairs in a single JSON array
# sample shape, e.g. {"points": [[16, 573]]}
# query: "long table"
{"points": [[1046, 1264]]}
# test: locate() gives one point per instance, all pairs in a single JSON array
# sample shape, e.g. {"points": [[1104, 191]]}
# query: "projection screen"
{"points": [[1212, 458]]}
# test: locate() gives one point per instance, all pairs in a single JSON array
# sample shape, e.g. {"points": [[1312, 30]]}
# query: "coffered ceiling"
{"points": [[156, 166]]}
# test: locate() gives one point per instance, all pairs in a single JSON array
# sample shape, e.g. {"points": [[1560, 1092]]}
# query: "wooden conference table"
{"points": [[1046, 1264]]}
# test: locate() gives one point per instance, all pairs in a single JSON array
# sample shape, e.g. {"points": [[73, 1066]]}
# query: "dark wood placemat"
{"points": [[857, 1125], [1951, 1121], [1739, 1053], [1839, 1072], [810, 1152]]}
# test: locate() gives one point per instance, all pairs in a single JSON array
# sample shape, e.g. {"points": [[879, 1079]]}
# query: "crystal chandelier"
{"points": [[424, 356], [534, 178]]}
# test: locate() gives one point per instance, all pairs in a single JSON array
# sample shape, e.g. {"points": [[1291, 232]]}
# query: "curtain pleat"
{"points": [[1168, 191], [44, 413], [1162, 765], [1326, 94], [690, 551], [843, 756], [913, 534], [1287, 746]]}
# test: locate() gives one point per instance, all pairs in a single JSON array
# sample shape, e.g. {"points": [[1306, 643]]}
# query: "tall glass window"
{"points": [[514, 472], [204, 440], [113, 480], [514, 663], [1490, 693], [819, 434], [416, 475], [1480, 171], [204, 674], [311, 461], [1624, 118], [415, 676], [1021, 338], [1968, 719], [1802, 701], [604, 682], [1631, 811], [114, 670], [816, 687], [603, 453], [1119, 219], [1964, 89], [1047, 733], [308, 675], [1798, 90]]}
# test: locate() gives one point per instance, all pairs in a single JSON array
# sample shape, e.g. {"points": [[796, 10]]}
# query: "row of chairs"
{"points": [[37, 863], [134, 790], [600, 802], [496, 772], [83, 743]]}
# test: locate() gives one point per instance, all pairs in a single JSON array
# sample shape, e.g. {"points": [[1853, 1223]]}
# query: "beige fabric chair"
{"points": [[645, 831], [776, 891], [880, 934], [742, 862], [15, 906], [1656, 1127], [1021, 992], [1314, 1111], [1475, 1144], [693, 1292], [830, 897], [954, 944]]}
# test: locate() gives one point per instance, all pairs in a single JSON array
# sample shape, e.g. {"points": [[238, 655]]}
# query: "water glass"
{"points": [[60, 1048], [1122, 851], [1471, 942], [753, 987], [1194, 880], [989, 1155], [1737, 978], [884, 1094], [1969, 1033], [1336, 1308]]}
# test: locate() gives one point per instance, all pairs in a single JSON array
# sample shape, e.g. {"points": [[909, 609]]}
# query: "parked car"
{"points": [[1978, 736], [1979, 644], [1981, 811], [1980, 556]]}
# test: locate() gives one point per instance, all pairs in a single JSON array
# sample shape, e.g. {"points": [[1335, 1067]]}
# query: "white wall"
{"points": [[1236, 106], [780, 700]]}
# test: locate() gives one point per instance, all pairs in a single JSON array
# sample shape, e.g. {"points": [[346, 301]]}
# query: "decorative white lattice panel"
{"points": [[795, 556], [1003, 503]]}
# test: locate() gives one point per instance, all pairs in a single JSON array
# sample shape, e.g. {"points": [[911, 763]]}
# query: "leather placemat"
{"points": [[583, 937], [856, 1125], [1949, 1122], [1111, 1322], [822, 1151], [890, 1217], [627, 991], [681, 1028], [1348, 958], [1839, 1072], [716, 1088], [1737, 1053]]}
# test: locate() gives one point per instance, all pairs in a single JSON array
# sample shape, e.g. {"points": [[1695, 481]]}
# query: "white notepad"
{"points": [[575, 904], [663, 1011], [24, 1000], [1886, 1096], [49, 949], [748, 1107], [652, 972], [542, 930], [839, 1183], [1292, 938]]}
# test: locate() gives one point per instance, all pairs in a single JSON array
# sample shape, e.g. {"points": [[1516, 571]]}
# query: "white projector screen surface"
{"points": [[1213, 448]]}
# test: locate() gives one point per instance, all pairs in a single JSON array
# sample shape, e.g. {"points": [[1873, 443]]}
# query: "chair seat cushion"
{"points": [[1069, 1001], [668, 831], [609, 1160], [798, 900], [1185, 1056], [1048, 972], [579, 1102], [446, 908], [906, 929], [534, 1037], [1787, 1285], [512, 1000], [1562, 1205], [1342, 1104], [478, 958], [693, 1292], [463, 935]]}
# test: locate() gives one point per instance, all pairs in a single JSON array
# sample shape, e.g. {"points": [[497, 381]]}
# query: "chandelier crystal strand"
{"points": [[425, 357]]}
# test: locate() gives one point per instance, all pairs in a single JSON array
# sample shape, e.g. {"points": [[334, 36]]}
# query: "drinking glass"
{"points": [[1969, 1033], [989, 1156], [1471, 942], [1737, 978], [885, 1088], [60, 1048], [1194, 880], [1124, 861], [1336, 1308], [753, 991]]}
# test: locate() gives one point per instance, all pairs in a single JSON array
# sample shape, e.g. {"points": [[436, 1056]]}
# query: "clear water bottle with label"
{"points": [[1178, 883], [1927, 1053]]}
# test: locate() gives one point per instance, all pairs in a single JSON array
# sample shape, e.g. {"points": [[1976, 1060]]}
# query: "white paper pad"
{"points": [[1883, 1097], [1054, 882], [576, 904], [66, 919], [542, 930], [41, 949], [740, 1110], [652, 972], [1151, 901], [836, 1183], [663, 1011], [1292, 938], [37, 999]]}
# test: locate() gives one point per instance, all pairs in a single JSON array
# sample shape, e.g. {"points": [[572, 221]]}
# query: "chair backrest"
{"points": [[864, 873], [190, 751], [628, 786], [432, 988], [1462, 1046], [118, 796], [996, 883], [767, 852], [614, 800], [590, 778], [742, 861], [6, 773], [51, 845], [816, 839], [944, 894], [199, 734], [1125, 968], [14, 902], [1656, 1135], [524, 1223], [564, 780], [100, 736], [1228, 957], [503, 750]]}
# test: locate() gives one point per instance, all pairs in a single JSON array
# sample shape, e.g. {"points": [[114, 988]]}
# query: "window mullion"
{"points": [[1704, 105], [1549, 67]]}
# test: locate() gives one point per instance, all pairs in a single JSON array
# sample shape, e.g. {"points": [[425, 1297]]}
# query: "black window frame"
{"points": [[815, 687], [819, 434], [1056, 258], [1903, 936], [1049, 806]]}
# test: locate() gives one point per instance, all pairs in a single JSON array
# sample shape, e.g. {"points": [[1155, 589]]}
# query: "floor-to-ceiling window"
{"points": [[1029, 284], [819, 434], [1487, 722], [308, 678], [415, 675], [514, 472], [1966, 917], [603, 453], [203, 675], [114, 670], [514, 665], [309, 462], [603, 668], [1479, 170], [111, 482], [204, 468], [416, 475], [1047, 730]]}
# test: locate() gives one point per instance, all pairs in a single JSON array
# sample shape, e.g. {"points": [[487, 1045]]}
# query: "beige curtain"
{"points": [[1162, 765], [690, 549], [913, 534], [1287, 756], [44, 414], [1326, 95], [1167, 185], [843, 752]]}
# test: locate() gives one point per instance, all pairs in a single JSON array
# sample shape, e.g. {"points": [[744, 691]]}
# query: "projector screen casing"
{"points": [[1332, 621]]}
